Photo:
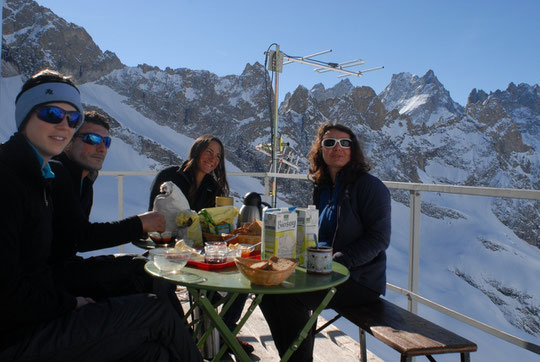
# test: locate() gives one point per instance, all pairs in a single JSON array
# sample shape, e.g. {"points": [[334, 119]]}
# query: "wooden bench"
{"points": [[406, 332]]}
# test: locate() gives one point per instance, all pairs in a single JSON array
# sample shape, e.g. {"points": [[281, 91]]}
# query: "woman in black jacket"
{"points": [[354, 219], [201, 178]]}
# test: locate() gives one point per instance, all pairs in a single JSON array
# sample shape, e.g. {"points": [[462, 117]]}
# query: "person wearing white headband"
{"points": [[40, 319]]}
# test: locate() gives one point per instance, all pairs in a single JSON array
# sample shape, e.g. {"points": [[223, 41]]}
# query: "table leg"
{"points": [[240, 324], [206, 335], [226, 334], [312, 320]]}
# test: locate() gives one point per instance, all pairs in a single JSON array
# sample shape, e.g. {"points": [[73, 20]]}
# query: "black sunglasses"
{"points": [[55, 115], [94, 139], [331, 142]]}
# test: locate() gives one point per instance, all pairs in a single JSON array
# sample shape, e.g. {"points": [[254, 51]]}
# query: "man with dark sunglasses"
{"points": [[40, 319], [101, 276], [83, 158]]}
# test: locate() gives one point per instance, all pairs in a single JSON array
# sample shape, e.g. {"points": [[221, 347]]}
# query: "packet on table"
{"points": [[308, 226], [218, 220], [279, 233]]}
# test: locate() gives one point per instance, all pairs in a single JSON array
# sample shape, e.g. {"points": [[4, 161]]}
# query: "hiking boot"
{"points": [[246, 346]]}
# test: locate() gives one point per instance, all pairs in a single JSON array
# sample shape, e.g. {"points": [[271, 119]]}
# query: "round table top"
{"points": [[232, 280]]}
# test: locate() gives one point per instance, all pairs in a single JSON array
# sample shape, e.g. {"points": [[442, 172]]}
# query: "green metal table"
{"points": [[200, 282]]}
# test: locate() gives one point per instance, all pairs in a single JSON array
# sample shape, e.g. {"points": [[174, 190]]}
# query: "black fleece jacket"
{"points": [[28, 292], [204, 197], [72, 205]]}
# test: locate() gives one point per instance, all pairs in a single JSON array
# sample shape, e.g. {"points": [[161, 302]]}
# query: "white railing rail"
{"points": [[415, 190]]}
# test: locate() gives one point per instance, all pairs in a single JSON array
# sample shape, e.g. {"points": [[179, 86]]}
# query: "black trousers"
{"points": [[105, 276], [138, 327], [287, 314], [235, 311]]}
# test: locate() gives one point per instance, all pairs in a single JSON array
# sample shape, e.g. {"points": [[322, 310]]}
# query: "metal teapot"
{"points": [[251, 209]]}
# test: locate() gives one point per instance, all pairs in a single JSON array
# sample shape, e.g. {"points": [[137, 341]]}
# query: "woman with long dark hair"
{"points": [[201, 178], [354, 219]]}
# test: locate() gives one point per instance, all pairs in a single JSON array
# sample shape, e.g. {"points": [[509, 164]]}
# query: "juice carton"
{"points": [[308, 226], [279, 233]]}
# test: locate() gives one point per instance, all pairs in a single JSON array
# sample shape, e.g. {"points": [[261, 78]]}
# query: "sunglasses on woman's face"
{"points": [[94, 139], [56, 115], [331, 142]]}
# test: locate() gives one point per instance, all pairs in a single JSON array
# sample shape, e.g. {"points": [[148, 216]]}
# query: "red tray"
{"points": [[207, 266]]}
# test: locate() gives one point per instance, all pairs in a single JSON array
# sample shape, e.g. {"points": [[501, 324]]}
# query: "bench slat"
{"points": [[407, 333]]}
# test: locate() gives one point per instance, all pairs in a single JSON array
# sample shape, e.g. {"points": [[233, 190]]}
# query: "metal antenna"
{"points": [[275, 64], [331, 67]]}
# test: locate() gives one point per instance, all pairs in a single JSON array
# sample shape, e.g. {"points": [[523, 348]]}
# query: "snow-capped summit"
{"points": [[423, 99]]}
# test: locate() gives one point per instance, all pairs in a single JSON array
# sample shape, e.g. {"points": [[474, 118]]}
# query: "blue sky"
{"points": [[468, 44]]}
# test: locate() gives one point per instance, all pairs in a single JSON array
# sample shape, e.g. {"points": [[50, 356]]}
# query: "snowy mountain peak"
{"points": [[422, 98], [37, 38], [337, 91], [477, 96]]}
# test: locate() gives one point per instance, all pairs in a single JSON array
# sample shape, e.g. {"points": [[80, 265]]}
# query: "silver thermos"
{"points": [[251, 209]]}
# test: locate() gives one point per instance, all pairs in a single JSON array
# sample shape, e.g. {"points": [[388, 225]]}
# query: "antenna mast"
{"points": [[275, 64]]}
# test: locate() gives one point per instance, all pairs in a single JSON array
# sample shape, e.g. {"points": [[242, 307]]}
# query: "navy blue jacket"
{"points": [[363, 228]]}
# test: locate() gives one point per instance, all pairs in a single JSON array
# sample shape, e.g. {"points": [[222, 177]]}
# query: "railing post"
{"points": [[120, 179], [414, 247], [267, 189]]}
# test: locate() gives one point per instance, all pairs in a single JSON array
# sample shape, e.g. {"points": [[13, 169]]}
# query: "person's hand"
{"points": [[82, 301], [152, 221]]}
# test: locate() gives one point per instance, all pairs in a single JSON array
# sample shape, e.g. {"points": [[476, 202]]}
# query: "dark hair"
{"points": [[318, 172], [43, 76], [192, 165], [96, 118]]}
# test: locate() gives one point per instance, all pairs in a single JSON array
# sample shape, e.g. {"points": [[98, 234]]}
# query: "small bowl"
{"points": [[161, 238], [170, 260]]}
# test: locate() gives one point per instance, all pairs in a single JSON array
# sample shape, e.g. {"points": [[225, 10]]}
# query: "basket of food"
{"points": [[250, 234], [266, 272]]}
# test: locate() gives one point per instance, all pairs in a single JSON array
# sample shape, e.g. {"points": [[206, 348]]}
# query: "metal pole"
{"points": [[120, 179], [275, 144], [414, 248]]}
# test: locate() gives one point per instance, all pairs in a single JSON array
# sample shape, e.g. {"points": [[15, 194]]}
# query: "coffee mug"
{"points": [[319, 260]]}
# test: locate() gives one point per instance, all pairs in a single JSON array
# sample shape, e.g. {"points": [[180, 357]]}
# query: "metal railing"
{"points": [[415, 190]]}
